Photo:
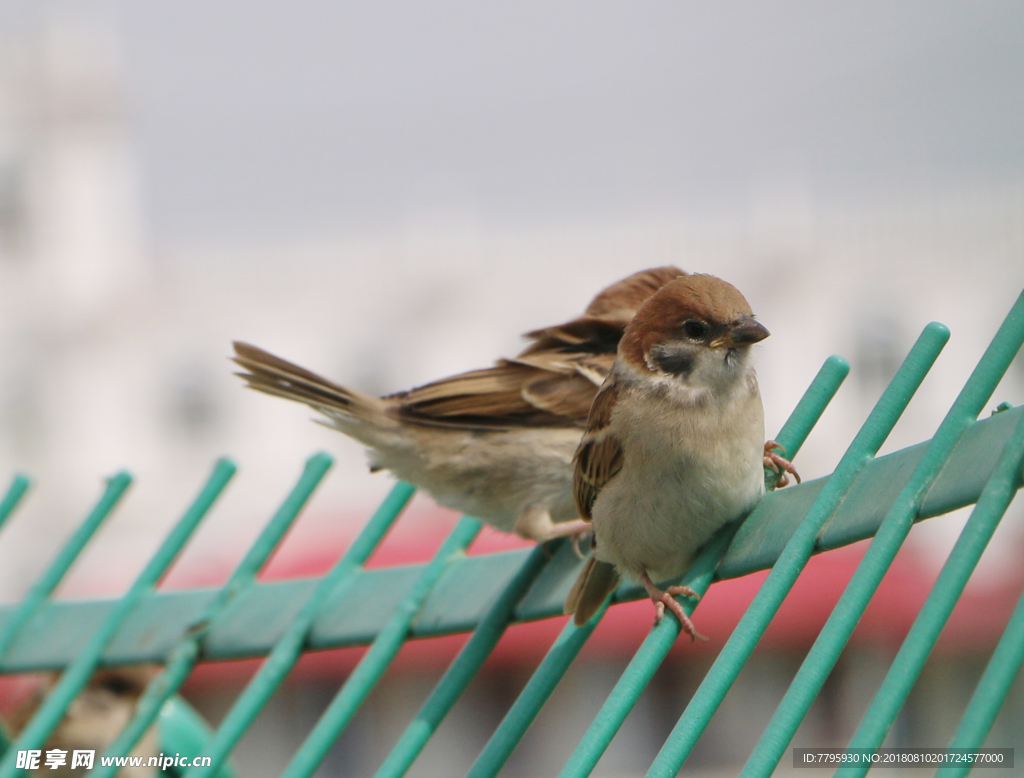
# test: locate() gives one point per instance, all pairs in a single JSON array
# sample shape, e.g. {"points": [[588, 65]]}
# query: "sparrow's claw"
{"points": [[576, 540], [779, 464], [575, 529], [676, 590], [661, 599]]}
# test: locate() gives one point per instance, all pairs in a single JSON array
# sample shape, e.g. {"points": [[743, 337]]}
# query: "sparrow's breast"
{"points": [[687, 471]]}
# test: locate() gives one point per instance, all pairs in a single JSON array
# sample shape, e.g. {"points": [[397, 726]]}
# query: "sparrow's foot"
{"points": [[779, 464], [578, 538], [575, 543], [686, 590], [662, 598], [576, 529], [535, 524]]}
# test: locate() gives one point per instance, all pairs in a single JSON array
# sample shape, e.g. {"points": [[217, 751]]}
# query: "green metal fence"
{"points": [[966, 462]]}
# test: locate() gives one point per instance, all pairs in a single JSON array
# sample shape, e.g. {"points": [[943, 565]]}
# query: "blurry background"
{"points": [[390, 195]]}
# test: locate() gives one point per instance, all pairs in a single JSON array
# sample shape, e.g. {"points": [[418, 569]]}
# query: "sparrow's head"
{"points": [[697, 329]]}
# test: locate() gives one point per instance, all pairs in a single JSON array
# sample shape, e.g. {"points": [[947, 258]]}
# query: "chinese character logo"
{"points": [[56, 758], [29, 760], [82, 759]]}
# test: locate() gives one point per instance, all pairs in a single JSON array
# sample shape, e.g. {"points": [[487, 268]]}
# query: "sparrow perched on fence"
{"points": [[495, 443], [95, 718], [674, 447]]}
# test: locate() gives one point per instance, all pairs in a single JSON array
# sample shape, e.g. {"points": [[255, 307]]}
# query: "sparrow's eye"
{"points": [[695, 329]]}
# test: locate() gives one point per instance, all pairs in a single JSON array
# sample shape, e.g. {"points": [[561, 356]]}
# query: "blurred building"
{"points": [[112, 355]]}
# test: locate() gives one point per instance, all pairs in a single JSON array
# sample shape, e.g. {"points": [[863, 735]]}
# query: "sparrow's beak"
{"points": [[745, 332]]}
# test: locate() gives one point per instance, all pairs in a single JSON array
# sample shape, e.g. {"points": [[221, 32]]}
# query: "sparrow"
{"points": [[674, 447], [495, 443], [95, 718]]}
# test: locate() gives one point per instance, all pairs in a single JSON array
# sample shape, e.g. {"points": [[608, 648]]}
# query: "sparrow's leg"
{"points": [[775, 461], [662, 598], [536, 524]]}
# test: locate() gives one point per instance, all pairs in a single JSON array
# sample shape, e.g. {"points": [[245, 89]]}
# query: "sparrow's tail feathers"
{"points": [[275, 376], [597, 580]]}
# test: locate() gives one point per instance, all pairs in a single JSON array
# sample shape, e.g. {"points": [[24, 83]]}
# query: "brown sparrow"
{"points": [[95, 718], [674, 447], [495, 443]]}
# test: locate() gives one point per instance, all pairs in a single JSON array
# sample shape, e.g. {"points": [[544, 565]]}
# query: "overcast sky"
{"points": [[290, 120]]}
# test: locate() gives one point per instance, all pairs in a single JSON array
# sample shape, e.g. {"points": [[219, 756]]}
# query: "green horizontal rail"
{"points": [[883, 548], [189, 650], [80, 669], [919, 642], [659, 641], [256, 620]]}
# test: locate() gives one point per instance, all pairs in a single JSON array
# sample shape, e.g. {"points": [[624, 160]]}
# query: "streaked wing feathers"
{"points": [[599, 457], [552, 382]]}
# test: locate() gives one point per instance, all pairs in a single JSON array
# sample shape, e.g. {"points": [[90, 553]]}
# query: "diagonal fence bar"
{"points": [[41, 590], [533, 696], [77, 675], [187, 653], [643, 665], [991, 691], [973, 540], [378, 657], [288, 649], [464, 667], [660, 639], [15, 492], [883, 548], [798, 551]]}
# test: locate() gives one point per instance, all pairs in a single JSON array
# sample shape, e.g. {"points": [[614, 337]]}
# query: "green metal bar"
{"points": [[887, 541], [15, 492], [992, 689], [465, 666], [183, 731], [642, 666], [19, 485], [656, 645], [533, 696], [188, 651], [77, 675], [376, 660], [288, 649], [798, 551], [918, 644], [52, 576]]}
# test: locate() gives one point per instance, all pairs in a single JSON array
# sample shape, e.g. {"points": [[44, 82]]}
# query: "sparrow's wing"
{"points": [[506, 396], [599, 457], [552, 382]]}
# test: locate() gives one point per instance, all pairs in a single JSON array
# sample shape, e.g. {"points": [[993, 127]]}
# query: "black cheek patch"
{"points": [[674, 362]]}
